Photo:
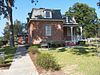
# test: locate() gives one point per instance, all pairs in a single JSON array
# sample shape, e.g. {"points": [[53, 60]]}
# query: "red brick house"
{"points": [[49, 25]]}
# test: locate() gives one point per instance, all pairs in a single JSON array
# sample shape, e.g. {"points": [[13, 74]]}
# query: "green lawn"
{"points": [[87, 62], [9, 53]]}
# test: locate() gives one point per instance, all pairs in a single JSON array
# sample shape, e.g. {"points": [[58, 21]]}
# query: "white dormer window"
{"points": [[48, 14], [73, 18], [70, 19], [66, 19]]}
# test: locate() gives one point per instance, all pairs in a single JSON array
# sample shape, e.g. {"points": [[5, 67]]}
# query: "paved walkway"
{"points": [[22, 64]]}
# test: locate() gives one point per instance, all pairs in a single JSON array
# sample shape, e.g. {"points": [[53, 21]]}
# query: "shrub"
{"points": [[33, 49], [1, 43], [38, 45], [82, 43], [47, 61], [62, 50], [56, 44], [1, 61], [9, 54], [8, 61]]}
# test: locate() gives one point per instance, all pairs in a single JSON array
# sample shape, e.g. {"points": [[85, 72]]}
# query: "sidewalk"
{"points": [[22, 64], [3, 72]]}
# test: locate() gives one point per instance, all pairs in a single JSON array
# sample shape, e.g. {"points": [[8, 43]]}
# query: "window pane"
{"points": [[47, 14], [48, 30]]}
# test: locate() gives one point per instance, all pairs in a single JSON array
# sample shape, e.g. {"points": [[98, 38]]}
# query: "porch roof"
{"points": [[70, 24], [32, 19]]}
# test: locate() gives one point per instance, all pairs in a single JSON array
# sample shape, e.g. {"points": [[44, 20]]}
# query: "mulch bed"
{"points": [[4, 66], [33, 58], [42, 71]]}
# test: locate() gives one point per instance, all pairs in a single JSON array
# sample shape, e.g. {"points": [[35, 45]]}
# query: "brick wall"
{"points": [[37, 31]]}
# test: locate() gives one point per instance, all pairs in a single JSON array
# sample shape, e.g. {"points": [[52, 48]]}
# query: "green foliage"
{"points": [[9, 53], [8, 50], [85, 65], [89, 51], [8, 61], [1, 38], [1, 61], [82, 43], [78, 51], [33, 49], [6, 31], [85, 16], [1, 43], [6, 10], [17, 28], [38, 45], [47, 61], [56, 44], [62, 50]]}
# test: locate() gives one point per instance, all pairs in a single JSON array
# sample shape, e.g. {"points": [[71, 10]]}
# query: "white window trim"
{"points": [[48, 30], [46, 16]]}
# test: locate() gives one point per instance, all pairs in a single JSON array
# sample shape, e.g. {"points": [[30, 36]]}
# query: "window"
{"points": [[48, 30], [48, 14]]}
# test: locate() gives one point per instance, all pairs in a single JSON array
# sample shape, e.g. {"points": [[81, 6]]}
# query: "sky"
{"points": [[23, 8]]}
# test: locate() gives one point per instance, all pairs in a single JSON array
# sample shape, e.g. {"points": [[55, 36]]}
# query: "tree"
{"points": [[1, 37], [17, 29], [6, 10], [6, 32], [85, 16], [98, 3]]}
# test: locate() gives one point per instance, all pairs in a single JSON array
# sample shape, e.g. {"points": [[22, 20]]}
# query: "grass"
{"points": [[9, 53], [87, 64]]}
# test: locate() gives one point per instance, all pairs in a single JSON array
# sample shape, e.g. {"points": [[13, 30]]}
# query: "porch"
{"points": [[70, 33]]}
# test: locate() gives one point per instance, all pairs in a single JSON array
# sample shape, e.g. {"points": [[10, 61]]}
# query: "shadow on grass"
{"points": [[8, 54], [52, 48], [82, 50], [62, 50]]}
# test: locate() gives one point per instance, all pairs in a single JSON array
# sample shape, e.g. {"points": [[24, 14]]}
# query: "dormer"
{"points": [[69, 19], [47, 14], [42, 13]]}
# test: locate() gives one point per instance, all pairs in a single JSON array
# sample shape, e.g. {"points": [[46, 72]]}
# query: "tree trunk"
{"points": [[11, 24]]}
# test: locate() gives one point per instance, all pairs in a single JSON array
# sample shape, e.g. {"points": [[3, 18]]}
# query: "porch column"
{"points": [[81, 32], [71, 33]]}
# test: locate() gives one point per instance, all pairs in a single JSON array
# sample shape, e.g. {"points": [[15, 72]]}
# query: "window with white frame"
{"points": [[48, 14], [47, 30]]}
